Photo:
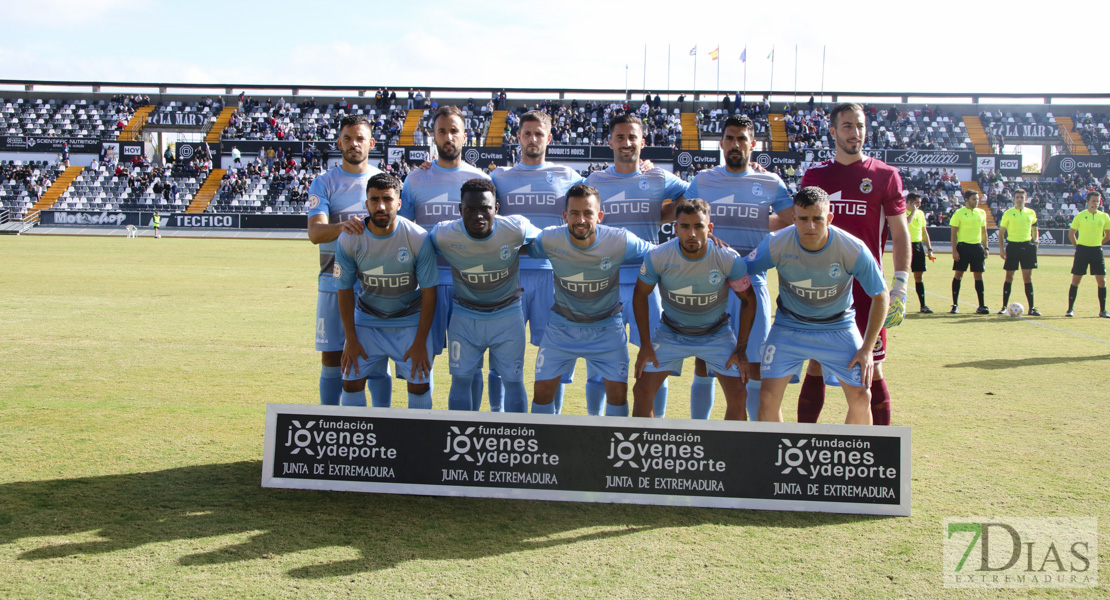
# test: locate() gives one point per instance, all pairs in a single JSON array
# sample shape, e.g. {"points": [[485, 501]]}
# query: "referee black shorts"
{"points": [[917, 260], [1088, 256], [971, 255], [1023, 254]]}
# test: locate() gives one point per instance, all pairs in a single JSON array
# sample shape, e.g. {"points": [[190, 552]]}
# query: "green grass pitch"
{"points": [[135, 375]]}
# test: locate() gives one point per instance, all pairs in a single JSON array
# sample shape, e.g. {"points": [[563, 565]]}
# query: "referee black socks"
{"points": [[1029, 295], [921, 292], [979, 291], [1006, 286]]}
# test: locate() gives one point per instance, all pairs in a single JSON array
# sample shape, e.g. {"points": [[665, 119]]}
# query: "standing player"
{"points": [[866, 197], [536, 189], [586, 321], [394, 261], [817, 265], [633, 200], [1090, 229], [921, 244], [482, 249], [432, 195], [970, 248], [695, 278], [742, 201], [1017, 245], [336, 204]]}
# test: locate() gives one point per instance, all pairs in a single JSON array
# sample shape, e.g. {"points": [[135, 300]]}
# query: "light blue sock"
{"points": [[476, 385], [543, 409], [497, 393], [612, 410], [661, 401], [558, 402], [753, 399], [595, 395], [702, 393], [421, 400], [381, 390], [331, 385], [353, 398], [516, 397], [459, 396]]}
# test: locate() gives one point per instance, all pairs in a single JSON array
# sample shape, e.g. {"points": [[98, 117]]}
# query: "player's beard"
{"points": [[686, 246], [534, 151], [848, 148], [354, 156], [448, 155], [588, 229], [382, 220], [736, 161]]}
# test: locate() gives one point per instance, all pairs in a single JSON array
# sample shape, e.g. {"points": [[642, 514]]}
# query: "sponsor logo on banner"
{"points": [[666, 461], [1009, 164], [395, 154], [131, 150], [927, 157], [214, 221], [50, 144], [169, 118], [185, 151], [1067, 164], [471, 155], [764, 160], [684, 159], [1019, 131], [843, 467], [334, 447], [114, 219], [985, 163]]}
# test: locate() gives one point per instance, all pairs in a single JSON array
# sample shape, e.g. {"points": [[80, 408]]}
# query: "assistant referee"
{"points": [[969, 248], [1090, 229], [1018, 228]]}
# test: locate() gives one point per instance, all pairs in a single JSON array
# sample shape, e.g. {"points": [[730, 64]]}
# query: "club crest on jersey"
{"points": [[751, 255], [715, 277], [607, 264], [505, 253], [757, 189], [336, 270], [313, 201], [643, 268], [835, 271], [550, 177], [865, 186], [643, 183], [403, 255]]}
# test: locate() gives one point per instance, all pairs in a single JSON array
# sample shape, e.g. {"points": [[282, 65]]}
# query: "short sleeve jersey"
{"points": [[1018, 223], [485, 272], [1090, 227], [694, 292], [969, 225], [536, 192], [635, 201], [391, 270], [917, 225], [432, 195], [863, 194], [587, 280], [339, 195], [740, 203], [815, 288]]}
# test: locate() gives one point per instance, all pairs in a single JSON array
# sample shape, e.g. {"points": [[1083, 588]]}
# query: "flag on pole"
{"points": [[771, 54], [694, 50], [744, 55], [715, 53]]}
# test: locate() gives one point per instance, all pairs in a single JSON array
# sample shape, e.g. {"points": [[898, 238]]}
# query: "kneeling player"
{"points": [[394, 260], [586, 319], [694, 278], [815, 319]]}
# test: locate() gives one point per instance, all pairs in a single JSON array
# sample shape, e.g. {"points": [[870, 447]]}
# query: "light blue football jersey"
{"points": [[740, 203], [536, 192], [586, 279], [694, 292], [391, 269], [339, 195], [815, 288], [635, 202], [432, 195], [485, 272]]}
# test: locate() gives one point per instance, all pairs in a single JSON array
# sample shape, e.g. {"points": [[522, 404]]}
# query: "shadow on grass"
{"points": [[192, 503], [1009, 363]]}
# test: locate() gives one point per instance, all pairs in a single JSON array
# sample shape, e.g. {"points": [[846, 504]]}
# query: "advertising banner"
{"points": [[718, 464], [77, 145], [1014, 132], [1066, 164], [176, 119], [684, 159]]}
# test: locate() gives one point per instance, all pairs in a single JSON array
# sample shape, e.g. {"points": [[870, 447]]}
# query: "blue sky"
{"points": [[935, 46]]}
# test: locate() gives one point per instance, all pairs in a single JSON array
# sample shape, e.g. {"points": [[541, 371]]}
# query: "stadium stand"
{"points": [[22, 184], [55, 117]]}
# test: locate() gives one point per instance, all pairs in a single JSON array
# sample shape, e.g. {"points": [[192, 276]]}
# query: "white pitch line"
{"points": [[1030, 321]]}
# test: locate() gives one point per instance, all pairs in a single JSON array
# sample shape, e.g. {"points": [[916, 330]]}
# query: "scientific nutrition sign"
{"points": [[773, 466]]}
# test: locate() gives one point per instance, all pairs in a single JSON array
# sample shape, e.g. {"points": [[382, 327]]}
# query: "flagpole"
{"points": [[718, 59], [772, 90], [695, 72], [823, 49], [745, 70], [669, 73], [795, 73], [645, 68]]}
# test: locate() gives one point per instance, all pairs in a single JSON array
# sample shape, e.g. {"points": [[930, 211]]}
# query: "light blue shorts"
{"points": [[469, 337], [605, 348], [672, 348], [539, 297], [329, 327], [380, 343], [787, 349], [761, 326]]}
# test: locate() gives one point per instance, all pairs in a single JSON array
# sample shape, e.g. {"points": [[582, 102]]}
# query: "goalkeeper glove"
{"points": [[897, 310]]}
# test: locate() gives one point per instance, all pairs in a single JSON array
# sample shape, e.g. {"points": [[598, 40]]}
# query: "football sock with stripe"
{"points": [[811, 399], [421, 400], [353, 398]]}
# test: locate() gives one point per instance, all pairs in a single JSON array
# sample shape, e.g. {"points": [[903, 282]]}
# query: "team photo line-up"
{"points": [[454, 259]]}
